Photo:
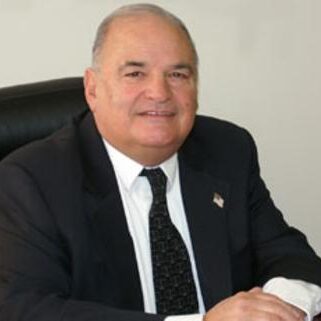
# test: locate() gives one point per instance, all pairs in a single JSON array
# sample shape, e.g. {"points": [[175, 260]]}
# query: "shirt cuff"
{"points": [[187, 317], [303, 295]]}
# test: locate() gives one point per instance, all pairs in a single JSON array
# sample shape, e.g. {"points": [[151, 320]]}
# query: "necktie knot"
{"points": [[157, 180]]}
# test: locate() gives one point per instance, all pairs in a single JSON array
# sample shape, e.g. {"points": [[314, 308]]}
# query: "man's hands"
{"points": [[254, 305]]}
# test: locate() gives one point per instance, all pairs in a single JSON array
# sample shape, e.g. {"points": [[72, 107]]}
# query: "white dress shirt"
{"points": [[137, 197]]}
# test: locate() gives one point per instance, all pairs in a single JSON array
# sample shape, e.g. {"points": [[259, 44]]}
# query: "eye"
{"points": [[134, 74], [178, 75]]}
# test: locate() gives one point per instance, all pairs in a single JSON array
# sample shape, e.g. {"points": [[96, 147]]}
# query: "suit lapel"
{"points": [[107, 217], [207, 225]]}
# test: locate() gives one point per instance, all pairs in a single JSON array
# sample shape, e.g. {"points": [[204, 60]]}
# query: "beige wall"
{"points": [[260, 68]]}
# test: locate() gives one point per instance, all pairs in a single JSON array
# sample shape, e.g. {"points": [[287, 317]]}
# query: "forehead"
{"points": [[146, 34]]}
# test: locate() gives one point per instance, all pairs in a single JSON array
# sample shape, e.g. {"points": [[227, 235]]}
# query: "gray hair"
{"points": [[131, 10]]}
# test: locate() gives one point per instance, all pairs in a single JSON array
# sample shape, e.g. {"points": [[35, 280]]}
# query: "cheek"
{"points": [[128, 92], [188, 111], [187, 101], [185, 92], [125, 98]]}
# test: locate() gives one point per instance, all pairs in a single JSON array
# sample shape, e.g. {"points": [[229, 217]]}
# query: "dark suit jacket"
{"points": [[65, 250]]}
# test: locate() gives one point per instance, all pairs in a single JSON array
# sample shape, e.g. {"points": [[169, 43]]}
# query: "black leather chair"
{"points": [[32, 111]]}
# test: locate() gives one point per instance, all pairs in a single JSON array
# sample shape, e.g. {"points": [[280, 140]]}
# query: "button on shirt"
{"points": [[137, 198]]}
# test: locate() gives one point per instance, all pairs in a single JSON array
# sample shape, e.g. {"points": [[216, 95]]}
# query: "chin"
{"points": [[159, 140], [162, 144]]}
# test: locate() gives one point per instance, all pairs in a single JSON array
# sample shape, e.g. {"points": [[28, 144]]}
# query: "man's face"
{"points": [[144, 92]]}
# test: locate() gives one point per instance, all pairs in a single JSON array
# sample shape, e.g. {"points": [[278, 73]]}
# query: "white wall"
{"points": [[260, 67]]}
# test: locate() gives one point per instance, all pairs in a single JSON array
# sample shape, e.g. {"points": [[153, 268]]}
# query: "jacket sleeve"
{"points": [[35, 279], [280, 250]]}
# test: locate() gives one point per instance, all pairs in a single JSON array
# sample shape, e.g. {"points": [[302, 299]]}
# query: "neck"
{"points": [[147, 156]]}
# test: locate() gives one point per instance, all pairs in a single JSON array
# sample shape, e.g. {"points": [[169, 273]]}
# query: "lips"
{"points": [[157, 113]]}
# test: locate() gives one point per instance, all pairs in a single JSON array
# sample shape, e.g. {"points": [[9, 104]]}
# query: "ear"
{"points": [[90, 86]]}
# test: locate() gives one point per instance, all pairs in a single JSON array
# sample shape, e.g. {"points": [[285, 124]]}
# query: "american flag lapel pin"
{"points": [[218, 200]]}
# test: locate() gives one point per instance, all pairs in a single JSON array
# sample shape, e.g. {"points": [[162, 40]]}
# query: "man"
{"points": [[76, 211]]}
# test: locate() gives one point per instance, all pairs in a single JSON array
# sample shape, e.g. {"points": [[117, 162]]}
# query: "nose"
{"points": [[158, 88]]}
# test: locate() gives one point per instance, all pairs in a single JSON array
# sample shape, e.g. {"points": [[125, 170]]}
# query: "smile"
{"points": [[158, 113]]}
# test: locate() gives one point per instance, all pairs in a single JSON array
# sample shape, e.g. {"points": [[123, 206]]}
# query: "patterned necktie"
{"points": [[173, 279]]}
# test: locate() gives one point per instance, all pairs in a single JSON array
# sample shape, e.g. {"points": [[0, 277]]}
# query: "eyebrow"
{"points": [[132, 63], [184, 66], [141, 64]]}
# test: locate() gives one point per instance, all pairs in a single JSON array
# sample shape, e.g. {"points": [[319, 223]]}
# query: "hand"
{"points": [[254, 305]]}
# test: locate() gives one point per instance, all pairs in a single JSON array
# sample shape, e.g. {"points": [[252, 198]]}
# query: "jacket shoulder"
{"points": [[217, 133]]}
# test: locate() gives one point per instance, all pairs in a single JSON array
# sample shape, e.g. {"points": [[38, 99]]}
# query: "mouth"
{"points": [[157, 113]]}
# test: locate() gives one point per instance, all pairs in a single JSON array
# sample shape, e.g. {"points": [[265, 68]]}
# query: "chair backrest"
{"points": [[32, 111]]}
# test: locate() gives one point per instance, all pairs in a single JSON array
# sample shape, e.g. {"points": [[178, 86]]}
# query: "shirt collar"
{"points": [[128, 170]]}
